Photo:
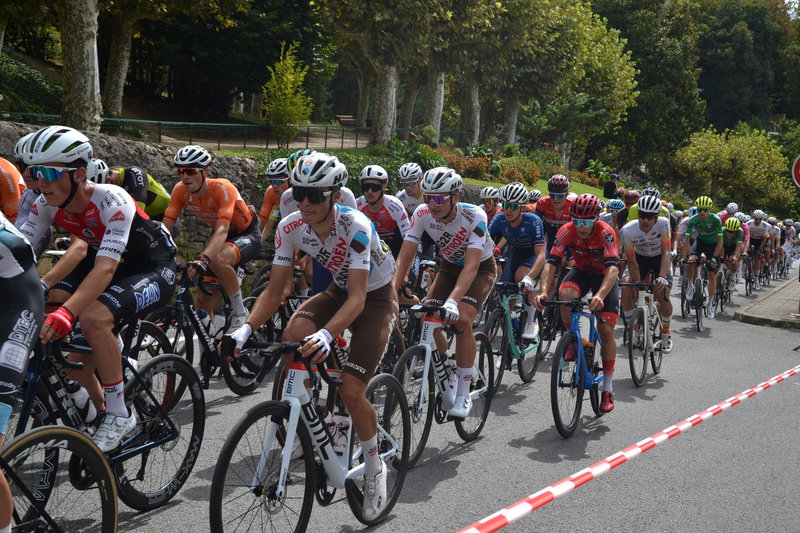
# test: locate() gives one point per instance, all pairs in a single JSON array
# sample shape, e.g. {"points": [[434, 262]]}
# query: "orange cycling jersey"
{"points": [[222, 201], [270, 208], [10, 191]]}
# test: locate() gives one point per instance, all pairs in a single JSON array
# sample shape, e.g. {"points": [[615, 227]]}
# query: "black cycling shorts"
{"points": [[584, 282]]}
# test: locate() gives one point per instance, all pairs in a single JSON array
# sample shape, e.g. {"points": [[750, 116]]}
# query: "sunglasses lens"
{"points": [[557, 196], [374, 187], [583, 222], [275, 182], [408, 183], [510, 205], [436, 199], [187, 171], [313, 195], [47, 174]]}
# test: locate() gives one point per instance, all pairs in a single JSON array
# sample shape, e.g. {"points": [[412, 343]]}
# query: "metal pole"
{"points": [[342, 128], [326, 138], [356, 137], [190, 133], [219, 137], [159, 132], [308, 133], [245, 136]]}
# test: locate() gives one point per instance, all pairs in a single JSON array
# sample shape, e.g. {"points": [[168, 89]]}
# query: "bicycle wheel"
{"points": [[419, 397], [656, 355], [386, 395], [41, 413], [721, 294], [179, 333], [243, 497], [637, 347], [394, 349], [699, 294], [495, 330], [80, 490], [594, 390], [256, 360], [550, 318], [152, 477], [528, 363], [748, 281], [685, 305], [151, 342], [566, 387], [481, 391]]}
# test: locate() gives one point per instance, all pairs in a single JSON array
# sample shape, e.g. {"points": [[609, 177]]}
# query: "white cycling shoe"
{"points": [[461, 408], [374, 494], [531, 331], [112, 430]]}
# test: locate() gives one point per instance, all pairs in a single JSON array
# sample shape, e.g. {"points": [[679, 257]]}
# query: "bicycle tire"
{"points": [[151, 342], [495, 330], [155, 480], [566, 387], [482, 380], [245, 373], [386, 395], [548, 330], [395, 348], [180, 335], [409, 371], [594, 390], [722, 291], [93, 495], [637, 347], [233, 504], [698, 303], [528, 363], [686, 305], [656, 355], [256, 363]]}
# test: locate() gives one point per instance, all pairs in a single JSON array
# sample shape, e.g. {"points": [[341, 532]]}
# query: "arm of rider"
{"points": [[87, 292], [403, 263], [74, 255], [610, 277], [352, 307], [633, 268], [666, 259], [215, 245], [719, 250], [472, 260], [527, 283], [544, 285], [266, 230]]}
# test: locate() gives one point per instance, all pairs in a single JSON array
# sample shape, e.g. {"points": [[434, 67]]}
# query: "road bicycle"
{"points": [[749, 275], [181, 323], [263, 481], [700, 296], [504, 329], [644, 333], [575, 369], [156, 457], [726, 280], [430, 391], [60, 482]]}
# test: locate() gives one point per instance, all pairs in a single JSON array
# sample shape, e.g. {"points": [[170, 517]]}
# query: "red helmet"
{"points": [[631, 196], [558, 184], [585, 206]]}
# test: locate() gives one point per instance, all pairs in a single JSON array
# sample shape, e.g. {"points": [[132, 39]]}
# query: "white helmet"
{"points": [[534, 196], [19, 148], [678, 214], [732, 208], [649, 204], [57, 144], [741, 216], [490, 193], [277, 168], [319, 170], [441, 180], [96, 171], [670, 207], [192, 156], [514, 192], [409, 171], [374, 172]]}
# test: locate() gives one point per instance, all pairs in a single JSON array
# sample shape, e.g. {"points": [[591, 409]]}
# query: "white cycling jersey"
{"points": [[16, 253], [25, 203], [409, 202], [289, 205], [646, 244], [352, 244], [758, 232], [466, 230]]}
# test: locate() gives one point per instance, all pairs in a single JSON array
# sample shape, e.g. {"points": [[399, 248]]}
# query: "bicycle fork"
{"points": [[429, 325]]}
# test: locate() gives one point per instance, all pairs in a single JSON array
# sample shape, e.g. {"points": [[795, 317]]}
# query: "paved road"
{"points": [[736, 471]]}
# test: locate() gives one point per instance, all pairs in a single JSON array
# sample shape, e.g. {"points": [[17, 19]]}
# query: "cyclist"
{"points": [[593, 245], [19, 329], [216, 202], [709, 242], [385, 211], [732, 243], [149, 194], [533, 197], [759, 238], [490, 197], [633, 210], [730, 211], [466, 274], [270, 214], [524, 234], [772, 241], [554, 208], [411, 196], [630, 197], [647, 245], [11, 186], [129, 270], [361, 297]]}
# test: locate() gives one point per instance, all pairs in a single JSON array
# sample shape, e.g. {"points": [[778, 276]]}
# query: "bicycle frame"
{"points": [[506, 304], [301, 408], [594, 338]]}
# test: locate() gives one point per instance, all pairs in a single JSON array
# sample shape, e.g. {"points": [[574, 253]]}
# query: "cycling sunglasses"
{"points": [[49, 174], [558, 195], [408, 183], [583, 222], [702, 210], [647, 216], [314, 195], [277, 181], [510, 205], [374, 187], [188, 171], [436, 199]]}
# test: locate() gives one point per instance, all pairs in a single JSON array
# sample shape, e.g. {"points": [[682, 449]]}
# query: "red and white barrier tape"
{"points": [[526, 506]]}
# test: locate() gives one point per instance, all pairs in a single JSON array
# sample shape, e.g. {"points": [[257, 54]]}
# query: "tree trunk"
{"points": [[3, 24], [434, 103], [407, 110], [78, 26], [364, 88], [471, 111], [510, 118], [385, 105], [119, 55]]}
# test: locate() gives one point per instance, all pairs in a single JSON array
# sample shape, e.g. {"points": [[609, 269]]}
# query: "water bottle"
{"points": [[80, 397], [127, 371], [341, 427]]}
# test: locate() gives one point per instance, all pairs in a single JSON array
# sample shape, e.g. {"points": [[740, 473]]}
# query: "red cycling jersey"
{"points": [[592, 256], [552, 220]]}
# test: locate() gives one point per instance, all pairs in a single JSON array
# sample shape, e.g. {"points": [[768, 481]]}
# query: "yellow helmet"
{"points": [[732, 224], [704, 202]]}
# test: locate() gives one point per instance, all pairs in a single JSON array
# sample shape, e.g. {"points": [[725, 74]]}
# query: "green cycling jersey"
{"points": [[149, 194], [708, 230]]}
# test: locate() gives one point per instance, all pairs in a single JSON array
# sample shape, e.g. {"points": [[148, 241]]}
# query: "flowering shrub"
{"points": [[518, 168]]}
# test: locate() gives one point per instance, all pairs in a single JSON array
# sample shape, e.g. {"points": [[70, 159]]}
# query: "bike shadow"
{"points": [[547, 446], [437, 465]]}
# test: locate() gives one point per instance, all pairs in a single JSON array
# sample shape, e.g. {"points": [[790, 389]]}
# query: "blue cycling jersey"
{"points": [[528, 235]]}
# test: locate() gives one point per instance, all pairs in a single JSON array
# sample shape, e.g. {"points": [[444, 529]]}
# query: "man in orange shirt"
{"points": [[11, 187], [270, 214], [216, 202]]}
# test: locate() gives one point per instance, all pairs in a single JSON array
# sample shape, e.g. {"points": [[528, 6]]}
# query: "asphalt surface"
{"points": [[735, 471]]}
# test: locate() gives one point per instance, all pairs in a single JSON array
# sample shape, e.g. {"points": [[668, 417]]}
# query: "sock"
{"points": [[665, 322], [372, 466], [608, 375], [302, 292], [464, 381], [237, 303], [115, 398], [531, 313], [6, 529], [627, 314]]}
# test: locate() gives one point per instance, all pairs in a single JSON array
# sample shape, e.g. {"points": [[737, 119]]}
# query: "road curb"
{"points": [[778, 314]]}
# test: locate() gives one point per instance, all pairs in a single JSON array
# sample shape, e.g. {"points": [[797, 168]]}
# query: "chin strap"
{"points": [[376, 201], [72, 191]]}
